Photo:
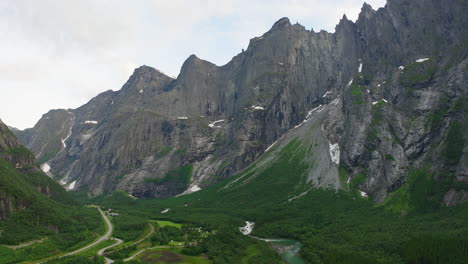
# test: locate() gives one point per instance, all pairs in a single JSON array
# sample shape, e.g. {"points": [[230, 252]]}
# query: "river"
{"points": [[288, 249]]}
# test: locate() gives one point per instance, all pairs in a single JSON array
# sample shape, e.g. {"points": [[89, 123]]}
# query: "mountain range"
{"points": [[369, 102]]}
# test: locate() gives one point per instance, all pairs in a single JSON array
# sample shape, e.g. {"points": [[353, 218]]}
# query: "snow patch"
{"points": [[141, 91], [360, 67], [349, 179], [247, 229], [192, 189], [335, 153], [257, 107], [165, 210], [62, 182], [363, 194], [85, 137], [71, 186], [376, 102], [182, 118], [350, 82], [267, 149], [401, 68], [422, 60], [131, 196], [326, 94], [280, 63], [378, 85], [309, 114], [65, 139], [298, 196], [368, 91], [300, 124], [318, 109], [45, 167], [212, 125], [91, 122]]}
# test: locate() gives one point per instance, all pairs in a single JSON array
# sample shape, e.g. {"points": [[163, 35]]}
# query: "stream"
{"points": [[288, 249]]}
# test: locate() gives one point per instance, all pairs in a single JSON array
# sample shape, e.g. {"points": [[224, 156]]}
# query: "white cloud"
{"points": [[59, 54]]}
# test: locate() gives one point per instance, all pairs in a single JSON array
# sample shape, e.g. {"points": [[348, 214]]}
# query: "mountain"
{"points": [[17, 191], [379, 97], [36, 209]]}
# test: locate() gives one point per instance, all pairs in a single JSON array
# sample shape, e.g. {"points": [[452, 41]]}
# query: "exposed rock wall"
{"points": [[397, 72]]}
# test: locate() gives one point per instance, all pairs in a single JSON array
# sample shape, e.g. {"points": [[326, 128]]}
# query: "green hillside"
{"points": [[36, 210], [333, 227]]}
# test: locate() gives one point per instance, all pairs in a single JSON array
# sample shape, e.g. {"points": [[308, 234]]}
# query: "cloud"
{"points": [[59, 54]]}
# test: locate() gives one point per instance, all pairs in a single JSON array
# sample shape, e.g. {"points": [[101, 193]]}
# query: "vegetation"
{"points": [[418, 74], [169, 256], [162, 223], [128, 227], [356, 89], [179, 177], [164, 151], [333, 227], [411, 226], [36, 215], [455, 143], [78, 259]]}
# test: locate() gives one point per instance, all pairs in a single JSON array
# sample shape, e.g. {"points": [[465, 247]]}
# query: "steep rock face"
{"points": [[159, 136], [48, 136], [18, 192], [12, 151]]}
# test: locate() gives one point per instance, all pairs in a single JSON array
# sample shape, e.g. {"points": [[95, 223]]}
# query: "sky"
{"points": [[61, 53]]}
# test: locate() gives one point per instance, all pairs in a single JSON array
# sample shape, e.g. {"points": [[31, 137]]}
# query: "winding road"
{"points": [[106, 236], [108, 261], [101, 251], [25, 244], [145, 237], [146, 249]]}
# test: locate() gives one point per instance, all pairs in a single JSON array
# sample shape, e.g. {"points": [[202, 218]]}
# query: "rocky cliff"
{"points": [[22, 184], [393, 84]]}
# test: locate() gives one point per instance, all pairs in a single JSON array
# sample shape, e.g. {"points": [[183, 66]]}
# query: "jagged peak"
{"points": [[144, 69], [344, 21], [366, 11], [192, 62], [281, 24], [366, 7], [147, 71], [191, 59]]}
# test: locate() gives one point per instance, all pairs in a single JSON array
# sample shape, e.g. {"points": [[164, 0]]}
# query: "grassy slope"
{"points": [[334, 227], [43, 216]]}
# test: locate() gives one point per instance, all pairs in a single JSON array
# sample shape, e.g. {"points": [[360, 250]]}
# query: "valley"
{"points": [[344, 147]]}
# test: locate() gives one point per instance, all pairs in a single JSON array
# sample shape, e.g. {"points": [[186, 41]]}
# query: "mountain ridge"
{"points": [[155, 124]]}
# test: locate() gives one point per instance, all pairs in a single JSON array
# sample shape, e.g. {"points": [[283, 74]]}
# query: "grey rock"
{"points": [[156, 124]]}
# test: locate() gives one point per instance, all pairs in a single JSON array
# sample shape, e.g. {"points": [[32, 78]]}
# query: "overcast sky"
{"points": [[61, 53]]}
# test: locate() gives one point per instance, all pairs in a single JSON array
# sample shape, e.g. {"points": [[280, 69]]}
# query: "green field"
{"points": [[169, 256], [162, 223]]}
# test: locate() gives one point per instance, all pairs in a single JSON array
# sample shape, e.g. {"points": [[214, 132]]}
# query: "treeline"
{"points": [[128, 227], [227, 245]]}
